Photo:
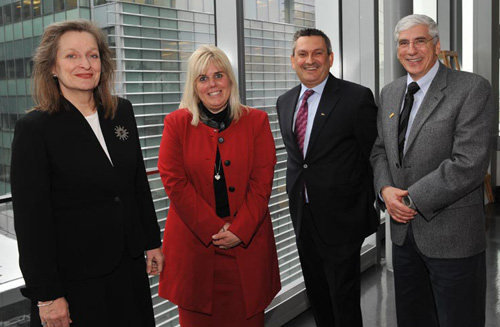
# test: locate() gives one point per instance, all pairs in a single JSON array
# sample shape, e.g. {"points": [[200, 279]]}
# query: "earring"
{"points": [[54, 76]]}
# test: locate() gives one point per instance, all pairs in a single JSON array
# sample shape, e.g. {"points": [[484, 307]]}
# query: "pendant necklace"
{"points": [[217, 170]]}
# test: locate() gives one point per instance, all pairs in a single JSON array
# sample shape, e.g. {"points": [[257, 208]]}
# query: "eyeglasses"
{"points": [[419, 43]]}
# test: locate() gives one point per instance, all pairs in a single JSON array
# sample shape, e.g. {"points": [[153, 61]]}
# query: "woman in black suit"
{"points": [[83, 209]]}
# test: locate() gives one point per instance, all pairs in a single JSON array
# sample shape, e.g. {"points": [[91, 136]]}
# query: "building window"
{"points": [[26, 9], [58, 5], [37, 8], [48, 6], [16, 8]]}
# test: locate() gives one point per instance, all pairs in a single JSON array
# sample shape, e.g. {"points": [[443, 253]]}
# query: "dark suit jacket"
{"points": [[75, 213], [445, 162], [336, 168]]}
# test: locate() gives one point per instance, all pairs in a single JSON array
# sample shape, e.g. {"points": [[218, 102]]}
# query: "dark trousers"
{"points": [[332, 277], [438, 292]]}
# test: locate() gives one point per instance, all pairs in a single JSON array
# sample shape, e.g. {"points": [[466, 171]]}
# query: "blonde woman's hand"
{"points": [[225, 239]]}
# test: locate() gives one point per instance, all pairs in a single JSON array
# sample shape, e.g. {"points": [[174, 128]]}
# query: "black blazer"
{"points": [[75, 214], [336, 168]]}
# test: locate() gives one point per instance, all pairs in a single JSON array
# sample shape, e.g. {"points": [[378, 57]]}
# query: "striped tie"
{"points": [[301, 120], [405, 117]]}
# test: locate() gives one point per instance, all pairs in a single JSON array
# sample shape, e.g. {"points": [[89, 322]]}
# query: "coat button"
{"points": [[221, 140], [305, 166], [227, 163], [117, 199], [397, 165], [231, 189]]}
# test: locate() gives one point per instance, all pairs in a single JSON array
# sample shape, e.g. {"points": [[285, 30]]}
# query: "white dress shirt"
{"points": [[312, 108]]}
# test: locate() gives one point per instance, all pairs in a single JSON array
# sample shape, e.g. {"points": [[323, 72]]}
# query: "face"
{"points": [[418, 60], [311, 61], [213, 88], [78, 65]]}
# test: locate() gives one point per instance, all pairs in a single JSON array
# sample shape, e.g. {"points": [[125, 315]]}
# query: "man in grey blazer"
{"points": [[429, 162]]}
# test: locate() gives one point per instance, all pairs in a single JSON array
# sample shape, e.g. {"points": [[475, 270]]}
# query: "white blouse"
{"points": [[96, 127]]}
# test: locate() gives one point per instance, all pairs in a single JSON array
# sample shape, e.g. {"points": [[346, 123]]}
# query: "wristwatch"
{"points": [[408, 202]]}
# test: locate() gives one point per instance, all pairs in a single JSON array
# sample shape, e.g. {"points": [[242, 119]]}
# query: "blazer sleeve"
{"points": [[33, 215], [366, 122], [192, 209], [145, 204], [465, 169], [254, 208]]}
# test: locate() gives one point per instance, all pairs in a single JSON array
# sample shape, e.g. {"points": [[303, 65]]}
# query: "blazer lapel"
{"points": [[429, 104], [327, 103], [394, 103], [287, 112], [107, 128], [90, 136]]}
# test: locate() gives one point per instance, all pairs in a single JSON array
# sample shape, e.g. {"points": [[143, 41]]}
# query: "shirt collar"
{"points": [[317, 89], [426, 80]]}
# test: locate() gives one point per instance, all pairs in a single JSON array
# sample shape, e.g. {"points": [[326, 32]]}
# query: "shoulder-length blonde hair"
{"points": [[45, 88], [197, 65]]}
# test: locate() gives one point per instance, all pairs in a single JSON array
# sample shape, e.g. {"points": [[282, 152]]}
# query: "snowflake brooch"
{"points": [[121, 133]]}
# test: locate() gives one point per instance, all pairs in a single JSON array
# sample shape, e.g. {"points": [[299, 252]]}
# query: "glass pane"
{"points": [[16, 9], [26, 8], [7, 14], [48, 6], [58, 5], [71, 4], [268, 43], [37, 8]]}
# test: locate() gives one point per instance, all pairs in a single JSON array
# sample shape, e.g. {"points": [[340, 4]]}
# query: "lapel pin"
{"points": [[322, 114], [391, 115], [121, 133]]}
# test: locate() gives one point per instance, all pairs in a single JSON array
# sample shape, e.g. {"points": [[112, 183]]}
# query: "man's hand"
{"points": [[393, 198]]}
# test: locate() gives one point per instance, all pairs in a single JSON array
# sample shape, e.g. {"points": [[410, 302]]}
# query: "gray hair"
{"points": [[413, 20]]}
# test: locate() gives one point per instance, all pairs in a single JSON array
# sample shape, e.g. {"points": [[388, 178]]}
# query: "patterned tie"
{"points": [[405, 117], [301, 120]]}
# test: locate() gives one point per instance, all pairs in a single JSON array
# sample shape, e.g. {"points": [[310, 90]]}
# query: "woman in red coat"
{"points": [[217, 162]]}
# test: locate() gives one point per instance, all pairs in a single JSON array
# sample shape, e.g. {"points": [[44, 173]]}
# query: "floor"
{"points": [[377, 290]]}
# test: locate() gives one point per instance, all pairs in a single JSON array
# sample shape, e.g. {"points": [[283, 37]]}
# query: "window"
{"points": [[7, 14], [16, 9], [58, 5], [37, 8], [71, 4], [48, 6], [26, 9]]}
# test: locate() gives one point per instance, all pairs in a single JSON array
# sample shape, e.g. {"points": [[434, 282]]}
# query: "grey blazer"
{"points": [[444, 166]]}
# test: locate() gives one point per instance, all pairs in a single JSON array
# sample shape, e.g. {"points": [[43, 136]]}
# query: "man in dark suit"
{"points": [[429, 163], [328, 127]]}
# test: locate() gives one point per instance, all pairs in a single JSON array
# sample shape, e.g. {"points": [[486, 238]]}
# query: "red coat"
{"points": [[186, 164]]}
